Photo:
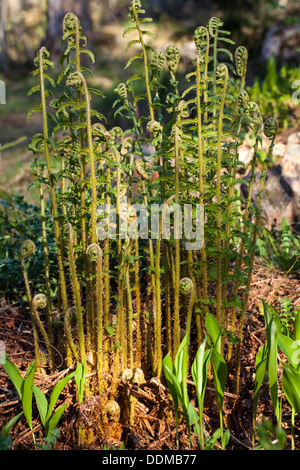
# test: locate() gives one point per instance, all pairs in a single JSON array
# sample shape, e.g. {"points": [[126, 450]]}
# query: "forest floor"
{"points": [[153, 429]]}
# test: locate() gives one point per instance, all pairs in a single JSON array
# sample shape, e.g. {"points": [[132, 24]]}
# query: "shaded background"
{"points": [[265, 27]]}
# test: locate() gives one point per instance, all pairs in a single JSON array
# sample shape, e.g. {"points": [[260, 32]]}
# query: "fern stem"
{"points": [[57, 229], [176, 327], [76, 293], [201, 163], [149, 97], [218, 198]]}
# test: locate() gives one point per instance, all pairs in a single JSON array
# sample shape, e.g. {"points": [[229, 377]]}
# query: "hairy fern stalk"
{"points": [[120, 305]]}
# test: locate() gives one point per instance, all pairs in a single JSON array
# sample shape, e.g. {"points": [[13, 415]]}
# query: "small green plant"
{"points": [[49, 442], [125, 294], [20, 220], [26, 390], [280, 247], [270, 437], [274, 92], [176, 377], [278, 338], [5, 440]]}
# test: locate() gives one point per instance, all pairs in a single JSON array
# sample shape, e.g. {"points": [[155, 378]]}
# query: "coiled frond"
{"points": [[242, 101], [113, 410], [140, 166], [39, 301], [201, 39], [27, 249], [128, 144], [94, 252], [122, 91], [186, 286], [154, 127], [172, 57], [270, 127], [221, 75], [253, 113], [157, 62], [213, 25], [241, 59]]}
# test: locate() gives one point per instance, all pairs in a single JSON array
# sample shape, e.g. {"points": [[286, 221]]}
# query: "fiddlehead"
{"points": [[271, 128], [172, 57], [27, 249], [141, 168], [201, 39], [213, 25], [241, 59]]}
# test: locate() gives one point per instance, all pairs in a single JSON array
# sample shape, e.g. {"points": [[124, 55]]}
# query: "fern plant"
{"points": [[121, 304]]}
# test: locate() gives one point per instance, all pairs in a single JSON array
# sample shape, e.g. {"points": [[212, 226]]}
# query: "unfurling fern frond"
{"points": [[201, 39], [270, 127], [241, 59], [213, 25], [172, 57]]}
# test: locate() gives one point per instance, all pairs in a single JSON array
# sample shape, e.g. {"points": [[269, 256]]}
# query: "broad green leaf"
{"points": [[14, 375], [260, 372], [42, 403], [80, 380], [199, 373], [178, 387], [193, 417], [167, 367], [179, 359], [287, 345], [291, 386], [56, 392], [149, 33], [273, 365], [214, 330], [225, 438], [142, 96], [27, 392], [10, 424], [181, 367], [220, 375], [136, 76], [51, 425]]}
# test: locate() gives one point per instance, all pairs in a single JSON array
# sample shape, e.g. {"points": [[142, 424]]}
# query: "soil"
{"points": [[153, 428]]}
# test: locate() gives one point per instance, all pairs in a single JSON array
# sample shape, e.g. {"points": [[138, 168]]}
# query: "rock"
{"points": [[282, 188], [283, 41]]}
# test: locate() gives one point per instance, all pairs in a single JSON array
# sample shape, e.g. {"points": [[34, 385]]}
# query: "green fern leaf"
{"points": [[134, 57], [36, 109], [132, 43]]}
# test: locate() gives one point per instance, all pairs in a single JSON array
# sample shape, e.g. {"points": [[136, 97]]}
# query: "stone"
{"points": [[282, 41], [282, 187]]}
